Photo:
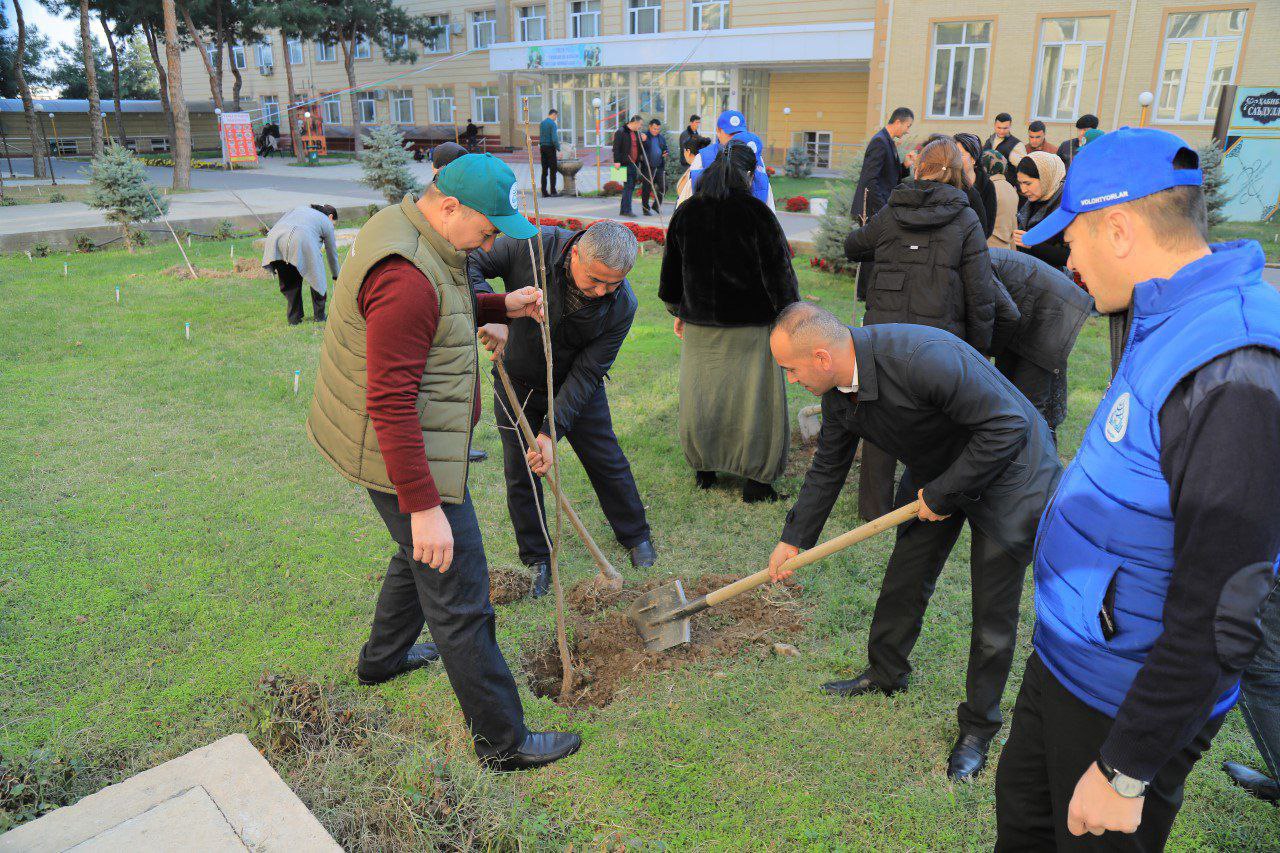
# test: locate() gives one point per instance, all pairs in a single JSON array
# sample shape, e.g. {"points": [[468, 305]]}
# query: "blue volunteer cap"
{"points": [[752, 141], [731, 122], [1117, 167], [487, 185]]}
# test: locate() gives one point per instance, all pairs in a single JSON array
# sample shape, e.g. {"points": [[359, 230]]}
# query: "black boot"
{"points": [[477, 455], [317, 306], [643, 555], [753, 492], [538, 750], [967, 758], [1257, 784], [704, 479], [541, 577], [417, 657], [862, 684]]}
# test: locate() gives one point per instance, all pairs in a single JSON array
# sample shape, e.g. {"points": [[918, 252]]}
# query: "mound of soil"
{"points": [[607, 652], [507, 586], [245, 268]]}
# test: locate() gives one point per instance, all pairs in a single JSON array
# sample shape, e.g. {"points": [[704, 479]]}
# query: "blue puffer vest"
{"points": [[759, 180], [1107, 534]]}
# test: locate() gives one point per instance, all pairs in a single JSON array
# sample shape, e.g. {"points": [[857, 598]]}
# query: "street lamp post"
{"points": [[1145, 100], [786, 132], [595, 102]]}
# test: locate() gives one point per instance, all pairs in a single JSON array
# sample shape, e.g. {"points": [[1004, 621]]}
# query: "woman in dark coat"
{"points": [[1040, 177], [726, 275], [977, 180]]}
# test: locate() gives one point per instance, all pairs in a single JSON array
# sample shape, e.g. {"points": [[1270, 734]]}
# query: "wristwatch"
{"points": [[1125, 786]]}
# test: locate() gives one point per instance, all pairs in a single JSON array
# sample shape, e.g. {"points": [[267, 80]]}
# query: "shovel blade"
{"points": [[651, 614]]}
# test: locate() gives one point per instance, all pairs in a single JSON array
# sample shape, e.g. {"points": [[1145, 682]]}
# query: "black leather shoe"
{"points": [[1256, 784], [538, 750], [477, 455], [860, 685], [643, 556], [754, 492], [968, 757], [541, 578], [704, 479], [418, 656]]}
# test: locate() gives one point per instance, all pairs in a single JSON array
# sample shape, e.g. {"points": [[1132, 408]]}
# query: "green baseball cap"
{"points": [[487, 185]]}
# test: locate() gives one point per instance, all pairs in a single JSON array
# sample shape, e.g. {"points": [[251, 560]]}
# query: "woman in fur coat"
{"points": [[726, 275]]}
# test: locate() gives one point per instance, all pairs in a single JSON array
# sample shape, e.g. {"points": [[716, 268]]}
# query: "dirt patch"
{"points": [[245, 268], [607, 652], [507, 586], [302, 716]]}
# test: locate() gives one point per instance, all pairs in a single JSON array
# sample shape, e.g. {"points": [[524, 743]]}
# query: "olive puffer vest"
{"points": [[339, 422]]}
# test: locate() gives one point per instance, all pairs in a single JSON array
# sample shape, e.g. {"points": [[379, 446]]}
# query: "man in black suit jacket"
{"points": [[974, 448], [627, 151]]}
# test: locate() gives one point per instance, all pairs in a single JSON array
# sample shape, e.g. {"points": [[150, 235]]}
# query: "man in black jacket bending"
{"points": [[591, 309], [974, 448]]}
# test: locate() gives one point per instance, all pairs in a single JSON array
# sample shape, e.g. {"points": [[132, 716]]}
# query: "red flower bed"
{"points": [[611, 188], [770, 171], [797, 204], [644, 233]]}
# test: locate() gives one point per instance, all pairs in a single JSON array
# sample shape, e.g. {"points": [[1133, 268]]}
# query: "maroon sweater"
{"points": [[401, 313]]}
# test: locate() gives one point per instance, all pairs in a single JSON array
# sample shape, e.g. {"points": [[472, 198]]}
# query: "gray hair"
{"points": [[610, 243]]}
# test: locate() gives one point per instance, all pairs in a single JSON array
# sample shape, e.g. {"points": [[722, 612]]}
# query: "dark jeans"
{"points": [[875, 482], [652, 181], [996, 577], [1260, 688], [548, 153], [291, 286], [1053, 739], [593, 440], [455, 607], [629, 187]]}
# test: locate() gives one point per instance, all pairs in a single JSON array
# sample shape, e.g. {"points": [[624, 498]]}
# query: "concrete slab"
{"points": [[259, 809], [191, 820]]}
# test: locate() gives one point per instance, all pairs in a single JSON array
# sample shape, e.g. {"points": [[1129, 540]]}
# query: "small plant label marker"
{"points": [[65, 271], [297, 374], [28, 257], [117, 296], [186, 328], [188, 241], [233, 255]]}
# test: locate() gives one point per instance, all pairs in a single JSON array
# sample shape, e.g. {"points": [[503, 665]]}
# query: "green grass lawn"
{"points": [[1266, 233], [168, 535]]}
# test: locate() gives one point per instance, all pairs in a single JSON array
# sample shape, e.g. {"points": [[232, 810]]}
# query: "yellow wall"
{"points": [[835, 102]]}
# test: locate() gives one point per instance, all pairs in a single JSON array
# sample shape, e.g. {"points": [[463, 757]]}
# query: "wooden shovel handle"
{"points": [[818, 552], [606, 568]]}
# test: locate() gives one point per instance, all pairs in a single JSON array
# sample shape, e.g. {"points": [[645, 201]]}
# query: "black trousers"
{"points": [[593, 440], [1036, 384], [652, 185], [875, 482], [455, 608], [548, 153], [1052, 741], [918, 556], [291, 286], [629, 188]]}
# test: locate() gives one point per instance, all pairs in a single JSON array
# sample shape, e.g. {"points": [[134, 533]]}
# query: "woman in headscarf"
{"points": [[977, 178], [994, 165], [292, 252], [726, 275], [1040, 176]]}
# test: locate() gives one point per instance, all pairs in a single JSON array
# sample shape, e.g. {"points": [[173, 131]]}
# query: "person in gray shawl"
{"points": [[292, 252]]}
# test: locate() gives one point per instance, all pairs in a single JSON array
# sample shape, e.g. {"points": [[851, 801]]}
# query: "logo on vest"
{"points": [[1118, 420]]}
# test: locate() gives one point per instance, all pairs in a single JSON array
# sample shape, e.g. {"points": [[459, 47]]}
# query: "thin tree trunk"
{"points": [[349, 62], [289, 117], [215, 87], [91, 78], [235, 87], [154, 46], [39, 164], [219, 40], [177, 100], [115, 76]]}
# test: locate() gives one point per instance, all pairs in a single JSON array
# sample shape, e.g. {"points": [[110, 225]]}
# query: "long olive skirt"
{"points": [[733, 402]]}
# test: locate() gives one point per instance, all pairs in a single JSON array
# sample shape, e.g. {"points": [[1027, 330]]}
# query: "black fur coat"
{"points": [[727, 263]]}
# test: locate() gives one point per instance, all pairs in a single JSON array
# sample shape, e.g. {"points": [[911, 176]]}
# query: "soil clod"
{"points": [[507, 586]]}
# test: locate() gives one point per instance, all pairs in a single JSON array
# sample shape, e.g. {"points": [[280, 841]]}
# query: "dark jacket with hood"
{"points": [[1053, 251], [1051, 308], [727, 263], [584, 343], [931, 263]]}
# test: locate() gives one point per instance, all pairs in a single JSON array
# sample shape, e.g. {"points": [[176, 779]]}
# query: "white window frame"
{"points": [[363, 47], [525, 23], [971, 47], [482, 28], [264, 54], [397, 43], [698, 8], [441, 42], [367, 104], [270, 109], [296, 55], [402, 106], [478, 102], [238, 58], [211, 51], [526, 93], [1087, 47], [1208, 112], [638, 8], [331, 109], [326, 51], [821, 139], [580, 12], [437, 97], [159, 144]]}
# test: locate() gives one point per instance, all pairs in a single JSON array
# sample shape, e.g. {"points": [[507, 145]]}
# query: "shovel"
{"points": [[662, 615]]}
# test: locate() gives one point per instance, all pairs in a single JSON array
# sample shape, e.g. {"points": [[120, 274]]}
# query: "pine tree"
{"points": [[119, 186], [798, 165], [1215, 182], [386, 164], [837, 222]]}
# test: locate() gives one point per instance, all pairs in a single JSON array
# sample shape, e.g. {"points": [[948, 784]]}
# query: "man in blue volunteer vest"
{"points": [[733, 125], [1160, 545]]}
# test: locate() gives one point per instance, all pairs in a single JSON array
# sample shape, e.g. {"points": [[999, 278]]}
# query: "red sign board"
{"points": [[238, 143]]}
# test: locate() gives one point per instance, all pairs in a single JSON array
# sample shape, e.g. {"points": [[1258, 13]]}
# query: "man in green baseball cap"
{"points": [[396, 400]]}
